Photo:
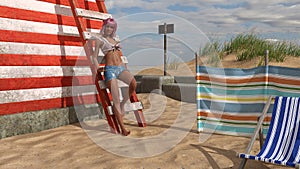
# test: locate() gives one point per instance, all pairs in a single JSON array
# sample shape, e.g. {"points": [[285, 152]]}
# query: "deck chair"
{"points": [[282, 141]]}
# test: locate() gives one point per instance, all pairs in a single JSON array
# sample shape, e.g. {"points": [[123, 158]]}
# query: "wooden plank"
{"points": [[92, 14], [133, 106]]}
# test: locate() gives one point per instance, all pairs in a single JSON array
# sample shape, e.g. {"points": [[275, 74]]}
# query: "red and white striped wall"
{"points": [[42, 61]]}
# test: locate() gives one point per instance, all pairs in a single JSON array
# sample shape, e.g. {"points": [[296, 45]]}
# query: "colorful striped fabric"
{"points": [[42, 61], [282, 141], [229, 101]]}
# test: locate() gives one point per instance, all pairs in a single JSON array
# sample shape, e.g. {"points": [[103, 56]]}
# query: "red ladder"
{"points": [[85, 36]]}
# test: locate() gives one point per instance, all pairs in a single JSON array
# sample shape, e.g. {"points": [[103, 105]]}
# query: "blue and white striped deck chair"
{"points": [[283, 138]]}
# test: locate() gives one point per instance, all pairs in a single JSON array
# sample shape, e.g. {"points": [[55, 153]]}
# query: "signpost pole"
{"points": [[165, 50], [164, 29]]}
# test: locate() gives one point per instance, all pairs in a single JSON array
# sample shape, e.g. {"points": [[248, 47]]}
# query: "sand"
{"points": [[75, 146], [90, 145]]}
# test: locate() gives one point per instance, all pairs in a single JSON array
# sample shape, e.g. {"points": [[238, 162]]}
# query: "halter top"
{"points": [[108, 46]]}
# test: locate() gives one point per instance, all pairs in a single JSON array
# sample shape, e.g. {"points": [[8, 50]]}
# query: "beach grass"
{"points": [[249, 46]]}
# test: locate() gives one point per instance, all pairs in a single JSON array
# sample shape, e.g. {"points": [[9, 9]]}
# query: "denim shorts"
{"points": [[113, 72]]}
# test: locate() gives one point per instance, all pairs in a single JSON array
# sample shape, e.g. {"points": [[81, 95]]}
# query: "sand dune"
{"points": [[229, 61]]}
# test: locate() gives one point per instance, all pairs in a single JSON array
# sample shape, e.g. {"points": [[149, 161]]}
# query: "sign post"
{"points": [[164, 29]]}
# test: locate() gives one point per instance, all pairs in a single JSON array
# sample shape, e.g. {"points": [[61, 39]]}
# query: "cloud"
{"points": [[183, 8], [193, 19], [219, 12]]}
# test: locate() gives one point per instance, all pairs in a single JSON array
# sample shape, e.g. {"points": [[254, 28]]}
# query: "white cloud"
{"points": [[254, 10], [215, 18]]}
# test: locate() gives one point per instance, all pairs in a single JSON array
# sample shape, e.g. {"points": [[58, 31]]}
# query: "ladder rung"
{"points": [[90, 35], [92, 14], [133, 106], [110, 110], [68, 34], [127, 107], [102, 84], [122, 84]]}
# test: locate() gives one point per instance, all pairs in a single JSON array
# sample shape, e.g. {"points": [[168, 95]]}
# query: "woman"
{"points": [[114, 69]]}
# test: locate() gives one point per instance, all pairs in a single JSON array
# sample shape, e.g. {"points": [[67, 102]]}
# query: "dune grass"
{"points": [[172, 64], [249, 46]]}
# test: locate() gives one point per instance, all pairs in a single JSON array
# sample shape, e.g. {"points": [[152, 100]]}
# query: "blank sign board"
{"points": [[167, 28]]}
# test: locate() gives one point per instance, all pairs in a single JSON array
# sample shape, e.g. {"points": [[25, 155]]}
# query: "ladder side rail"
{"points": [[89, 52], [133, 98], [105, 101], [81, 28], [138, 113], [101, 6]]}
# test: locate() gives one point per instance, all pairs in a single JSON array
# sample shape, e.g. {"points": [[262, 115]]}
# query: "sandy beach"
{"points": [[75, 146], [89, 144]]}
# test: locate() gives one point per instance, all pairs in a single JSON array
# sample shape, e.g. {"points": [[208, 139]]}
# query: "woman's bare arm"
{"points": [[96, 53]]}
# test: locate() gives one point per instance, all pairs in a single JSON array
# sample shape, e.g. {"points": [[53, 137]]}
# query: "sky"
{"points": [[198, 22]]}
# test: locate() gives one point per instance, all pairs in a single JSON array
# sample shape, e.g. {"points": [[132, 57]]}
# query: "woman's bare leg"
{"points": [[129, 79], [114, 90]]}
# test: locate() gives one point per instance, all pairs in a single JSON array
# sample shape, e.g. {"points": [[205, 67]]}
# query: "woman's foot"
{"points": [[125, 132]]}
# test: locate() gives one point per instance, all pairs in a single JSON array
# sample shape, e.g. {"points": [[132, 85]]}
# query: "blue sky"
{"points": [[200, 21]]}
